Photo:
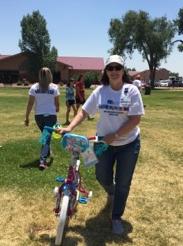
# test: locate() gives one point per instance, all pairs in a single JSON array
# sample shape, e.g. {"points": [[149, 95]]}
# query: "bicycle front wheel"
{"points": [[62, 219]]}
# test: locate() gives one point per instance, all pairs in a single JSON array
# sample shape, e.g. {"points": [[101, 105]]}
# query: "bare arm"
{"points": [[127, 127], [30, 104], [57, 104]]}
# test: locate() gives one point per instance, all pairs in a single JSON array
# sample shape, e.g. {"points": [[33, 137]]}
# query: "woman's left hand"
{"points": [[63, 130]]}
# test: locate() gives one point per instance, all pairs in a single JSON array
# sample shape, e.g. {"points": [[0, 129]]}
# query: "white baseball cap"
{"points": [[114, 59]]}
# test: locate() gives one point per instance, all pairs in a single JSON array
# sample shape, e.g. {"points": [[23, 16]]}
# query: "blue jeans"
{"points": [[117, 182], [45, 120]]}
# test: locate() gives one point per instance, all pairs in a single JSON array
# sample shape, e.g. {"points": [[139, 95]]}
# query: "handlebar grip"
{"points": [[92, 138], [96, 138]]}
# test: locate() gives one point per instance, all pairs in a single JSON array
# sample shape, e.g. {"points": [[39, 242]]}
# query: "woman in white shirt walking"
{"points": [[120, 106], [45, 96]]}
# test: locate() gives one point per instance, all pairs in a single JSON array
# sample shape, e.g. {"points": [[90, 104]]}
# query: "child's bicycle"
{"points": [[68, 194]]}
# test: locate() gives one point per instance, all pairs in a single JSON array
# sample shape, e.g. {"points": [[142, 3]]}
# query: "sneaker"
{"points": [[43, 165], [117, 227]]}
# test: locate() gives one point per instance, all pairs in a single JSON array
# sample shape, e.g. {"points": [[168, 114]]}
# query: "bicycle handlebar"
{"points": [[75, 143], [47, 132]]}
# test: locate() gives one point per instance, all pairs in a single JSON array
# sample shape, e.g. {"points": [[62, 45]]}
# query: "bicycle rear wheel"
{"points": [[62, 219]]}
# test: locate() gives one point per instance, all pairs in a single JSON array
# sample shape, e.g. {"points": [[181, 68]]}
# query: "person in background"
{"points": [[120, 106], [70, 100], [137, 82], [80, 92], [45, 96]]}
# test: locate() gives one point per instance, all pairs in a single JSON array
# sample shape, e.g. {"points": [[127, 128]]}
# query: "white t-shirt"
{"points": [[44, 101], [114, 108], [137, 83]]}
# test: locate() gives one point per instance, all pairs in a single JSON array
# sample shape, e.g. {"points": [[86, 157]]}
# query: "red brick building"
{"points": [[15, 67], [161, 73], [73, 66]]}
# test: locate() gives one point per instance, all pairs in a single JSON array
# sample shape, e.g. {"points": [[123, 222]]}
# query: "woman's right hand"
{"points": [[26, 122]]}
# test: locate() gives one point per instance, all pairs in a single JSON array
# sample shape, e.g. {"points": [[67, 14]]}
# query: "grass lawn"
{"points": [[153, 214]]}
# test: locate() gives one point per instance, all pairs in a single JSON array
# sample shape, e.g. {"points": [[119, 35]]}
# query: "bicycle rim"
{"points": [[62, 219]]}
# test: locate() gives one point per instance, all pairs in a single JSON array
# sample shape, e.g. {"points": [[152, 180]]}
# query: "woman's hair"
{"points": [[45, 78], [105, 78]]}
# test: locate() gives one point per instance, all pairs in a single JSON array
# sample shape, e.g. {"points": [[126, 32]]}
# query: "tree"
{"points": [[131, 69], [172, 74], [91, 78], [36, 42], [179, 23], [137, 31]]}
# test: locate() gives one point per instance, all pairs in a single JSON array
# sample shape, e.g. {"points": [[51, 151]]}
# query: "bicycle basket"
{"points": [[74, 142]]}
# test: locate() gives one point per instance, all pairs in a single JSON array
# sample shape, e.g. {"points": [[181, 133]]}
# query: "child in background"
{"points": [[137, 82], [80, 92], [70, 100]]}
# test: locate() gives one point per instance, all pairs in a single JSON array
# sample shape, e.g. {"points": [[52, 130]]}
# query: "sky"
{"points": [[80, 27]]}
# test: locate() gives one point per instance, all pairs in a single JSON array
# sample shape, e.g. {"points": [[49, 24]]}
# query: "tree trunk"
{"points": [[152, 76]]}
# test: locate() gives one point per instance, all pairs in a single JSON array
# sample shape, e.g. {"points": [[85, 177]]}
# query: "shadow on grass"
{"points": [[44, 238], [96, 232], [31, 164], [35, 163]]}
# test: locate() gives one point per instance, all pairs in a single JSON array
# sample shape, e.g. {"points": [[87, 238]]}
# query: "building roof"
{"points": [[82, 63], [133, 73], [3, 56]]}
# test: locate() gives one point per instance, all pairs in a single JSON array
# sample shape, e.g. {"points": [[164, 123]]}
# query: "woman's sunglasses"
{"points": [[116, 68]]}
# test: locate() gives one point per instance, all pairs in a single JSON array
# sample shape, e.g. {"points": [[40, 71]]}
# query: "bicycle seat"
{"points": [[74, 142]]}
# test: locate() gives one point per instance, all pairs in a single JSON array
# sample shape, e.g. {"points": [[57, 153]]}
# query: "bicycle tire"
{"points": [[62, 219]]}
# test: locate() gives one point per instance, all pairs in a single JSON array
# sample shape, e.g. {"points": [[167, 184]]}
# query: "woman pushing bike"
{"points": [[120, 106]]}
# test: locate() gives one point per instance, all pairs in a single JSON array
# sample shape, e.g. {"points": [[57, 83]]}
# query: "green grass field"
{"points": [[153, 214]]}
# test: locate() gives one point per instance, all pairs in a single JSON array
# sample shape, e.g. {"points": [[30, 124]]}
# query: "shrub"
{"points": [[91, 78], [19, 82]]}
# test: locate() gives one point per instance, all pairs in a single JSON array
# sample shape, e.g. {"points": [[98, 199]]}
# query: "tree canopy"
{"points": [[137, 31], [179, 23], [36, 41]]}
